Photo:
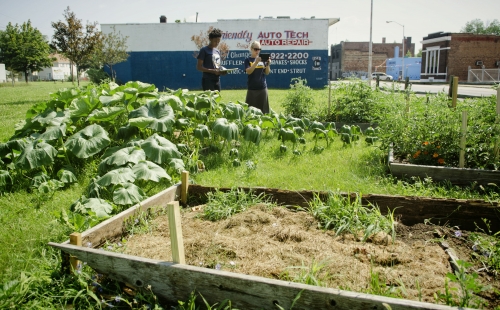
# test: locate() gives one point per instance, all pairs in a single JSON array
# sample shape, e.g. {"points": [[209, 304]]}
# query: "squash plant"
{"points": [[137, 138]]}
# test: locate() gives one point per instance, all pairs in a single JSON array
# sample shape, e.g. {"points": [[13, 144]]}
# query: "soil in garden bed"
{"points": [[283, 244]]}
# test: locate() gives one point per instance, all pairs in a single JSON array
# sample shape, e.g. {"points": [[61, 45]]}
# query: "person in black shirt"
{"points": [[256, 84], [209, 62]]}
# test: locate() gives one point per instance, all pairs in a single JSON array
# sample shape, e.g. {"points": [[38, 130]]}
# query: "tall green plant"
{"points": [[299, 99]]}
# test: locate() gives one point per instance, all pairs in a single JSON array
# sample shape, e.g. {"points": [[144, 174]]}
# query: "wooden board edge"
{"points": [[111, 227], [174, 282]]}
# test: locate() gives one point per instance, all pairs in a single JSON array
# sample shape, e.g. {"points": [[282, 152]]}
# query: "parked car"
{"points": [[382, 76]]}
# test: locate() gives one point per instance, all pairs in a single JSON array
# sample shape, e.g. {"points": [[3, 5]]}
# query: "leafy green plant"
{"points": [[299, 99], [468, 287], [486, 246], [371, 135], [349, 134], [353, 101], [430, 132]]}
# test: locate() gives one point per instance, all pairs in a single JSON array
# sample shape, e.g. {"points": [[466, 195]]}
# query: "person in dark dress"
{"points": [[257, 70], [209, 62]]}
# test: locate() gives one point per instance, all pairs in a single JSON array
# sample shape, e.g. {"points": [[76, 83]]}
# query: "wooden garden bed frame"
{"points": [[173, 281], [457, 176]]}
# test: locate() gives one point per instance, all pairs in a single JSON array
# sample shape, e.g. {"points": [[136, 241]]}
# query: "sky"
{"points": [[419, 17]]}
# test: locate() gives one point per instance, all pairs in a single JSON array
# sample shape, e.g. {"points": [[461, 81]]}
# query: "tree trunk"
{"points": [[112, 73], [77, 75], [71, 71], [26, 76]]}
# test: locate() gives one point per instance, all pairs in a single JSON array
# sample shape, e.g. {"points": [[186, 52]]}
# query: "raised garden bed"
{"points": [[287, 238], [456, 176]]}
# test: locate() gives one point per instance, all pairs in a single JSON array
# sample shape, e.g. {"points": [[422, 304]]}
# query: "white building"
{"points": [[3, 77], [60, 70]]}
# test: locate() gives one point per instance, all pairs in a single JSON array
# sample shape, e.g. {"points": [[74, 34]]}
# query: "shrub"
{"points": [[299, 99], [97, 76], [352, 102]]}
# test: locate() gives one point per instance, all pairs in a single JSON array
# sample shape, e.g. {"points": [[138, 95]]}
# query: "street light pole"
{"points": [[403, 52], [370, 49]]}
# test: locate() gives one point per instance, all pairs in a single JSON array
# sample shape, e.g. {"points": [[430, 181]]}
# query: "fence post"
{"points": [[329, 96], [450, 88], [454, 93], [175, 227], [75, 239], [184, 186], [463, 136]]}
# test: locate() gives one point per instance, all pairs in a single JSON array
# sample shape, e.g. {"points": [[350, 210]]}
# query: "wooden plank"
{"points": [[172, 282], [174, 225], [411, 210], [113, 227], [75, 239], [457, 176]]}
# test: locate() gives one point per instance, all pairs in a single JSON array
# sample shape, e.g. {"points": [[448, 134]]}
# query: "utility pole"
{"points": [[370, 48]]}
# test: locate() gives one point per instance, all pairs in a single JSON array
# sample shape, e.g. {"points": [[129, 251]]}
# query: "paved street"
{"points": [[464, 90]]}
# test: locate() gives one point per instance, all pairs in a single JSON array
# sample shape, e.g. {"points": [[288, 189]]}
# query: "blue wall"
{"points": [[178, 69]]}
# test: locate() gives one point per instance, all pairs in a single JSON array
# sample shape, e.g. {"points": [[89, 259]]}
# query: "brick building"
{"points": [[445, 54], [351, 58]]}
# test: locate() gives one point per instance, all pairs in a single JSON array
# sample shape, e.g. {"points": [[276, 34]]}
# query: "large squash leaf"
{"points": [[98, 206], [36, 154], [157, 115], [106, 114], [225, 129], [117, 176], [88, 141], [128, 194], [83, 106], [149, 171], [159, 149]]}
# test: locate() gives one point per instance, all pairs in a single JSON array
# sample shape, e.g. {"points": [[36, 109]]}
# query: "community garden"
{"points": [[73, 157]]}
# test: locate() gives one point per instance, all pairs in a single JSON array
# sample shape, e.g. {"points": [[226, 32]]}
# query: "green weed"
{"points": [[314, 274], [342, 215], [222, 205]]}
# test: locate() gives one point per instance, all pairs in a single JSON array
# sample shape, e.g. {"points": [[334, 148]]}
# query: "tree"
{"points": [[202, 40], [477, 26], [111, 51], [419, 54], [23, 49], [75, 42]]}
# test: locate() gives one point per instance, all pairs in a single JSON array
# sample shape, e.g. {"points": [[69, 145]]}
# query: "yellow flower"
{"points": [[435, 155]]}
